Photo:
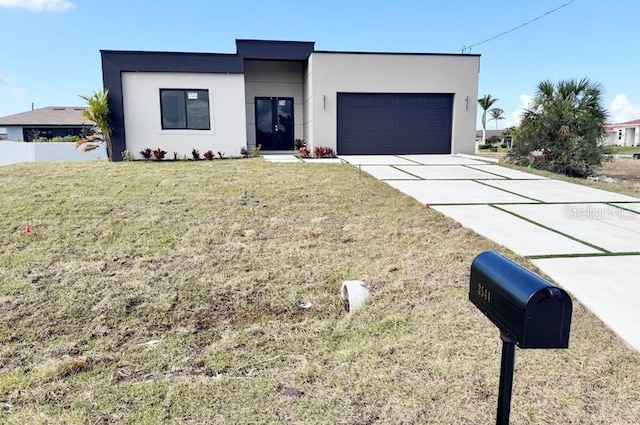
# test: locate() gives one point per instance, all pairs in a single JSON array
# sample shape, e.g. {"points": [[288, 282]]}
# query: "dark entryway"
{"points": [[274, 123], [394, 123]]}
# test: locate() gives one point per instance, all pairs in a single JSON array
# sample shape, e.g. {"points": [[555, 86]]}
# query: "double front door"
{"points": [[274, 123]]}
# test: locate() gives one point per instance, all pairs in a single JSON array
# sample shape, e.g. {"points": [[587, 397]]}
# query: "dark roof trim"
{"points": [[257, 40], [125, 61], [274, 50]]}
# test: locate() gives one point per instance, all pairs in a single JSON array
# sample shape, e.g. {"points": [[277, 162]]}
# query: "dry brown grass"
{"points": [[622, 168], [168, 293], [625, 171]]}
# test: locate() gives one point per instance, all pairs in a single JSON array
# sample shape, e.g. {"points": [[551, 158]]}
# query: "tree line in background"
{"points": [[562, 130]]}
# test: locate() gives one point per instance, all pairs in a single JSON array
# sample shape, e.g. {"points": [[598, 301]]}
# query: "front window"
{"points": [[184, 109]]}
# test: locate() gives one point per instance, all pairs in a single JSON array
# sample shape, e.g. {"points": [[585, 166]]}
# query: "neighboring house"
{"points": [[490, 133], [623, 134], [49, 122], [270, 93]]}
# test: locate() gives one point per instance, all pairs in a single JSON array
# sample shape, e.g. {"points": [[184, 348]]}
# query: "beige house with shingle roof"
{"points": [[49, 122]]}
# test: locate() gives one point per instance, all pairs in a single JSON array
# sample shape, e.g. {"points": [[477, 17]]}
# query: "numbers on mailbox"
{"points": [[484, 293]]}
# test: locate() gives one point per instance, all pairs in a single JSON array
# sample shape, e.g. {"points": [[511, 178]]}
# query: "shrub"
{"points": [[159, 154], [299, 144], [244, 153], [303, 152], [493, 140], [146, 153], [175, 156], [324, 152], [481, 146], [195, 153], [57, 139], [208, 155], [562, 130], [221, 155], [255, 151], [127, 155]]}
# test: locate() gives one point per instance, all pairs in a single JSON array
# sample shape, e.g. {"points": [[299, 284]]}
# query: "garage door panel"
{"points": [[394, 123]]}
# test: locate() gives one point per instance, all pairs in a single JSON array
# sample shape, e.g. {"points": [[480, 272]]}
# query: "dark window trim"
{"points": [[184, 91]]}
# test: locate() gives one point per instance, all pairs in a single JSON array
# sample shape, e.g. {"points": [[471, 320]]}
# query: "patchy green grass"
{"points": [[167, 293], [621, 150]]}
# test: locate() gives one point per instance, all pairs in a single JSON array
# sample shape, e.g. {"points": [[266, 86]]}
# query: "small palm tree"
{"points": [[565, 124], [485, 103], [496, 115], [97, 111]]}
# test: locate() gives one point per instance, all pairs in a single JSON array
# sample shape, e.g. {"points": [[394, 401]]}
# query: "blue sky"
{"points": [[49, 49]]}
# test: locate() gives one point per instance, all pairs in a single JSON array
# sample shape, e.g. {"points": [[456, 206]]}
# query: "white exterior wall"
{"points": [[610, 138], [66, 151], [630, 136], [307, 106], [143, 124], [273, 79], [331, 73], [14, 152], [15, 133]]}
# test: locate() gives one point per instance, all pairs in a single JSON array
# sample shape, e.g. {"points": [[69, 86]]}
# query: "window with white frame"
{"points": [[185, 109]]}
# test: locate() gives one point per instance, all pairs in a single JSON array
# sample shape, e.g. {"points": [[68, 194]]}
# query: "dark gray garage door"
{"points": [[394, 123]]}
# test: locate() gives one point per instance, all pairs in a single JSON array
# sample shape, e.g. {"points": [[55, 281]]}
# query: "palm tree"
{"points": [[565, 125], [485, 103], [97, 111], [496, 115]]}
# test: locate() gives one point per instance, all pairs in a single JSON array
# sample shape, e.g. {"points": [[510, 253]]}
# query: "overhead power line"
{"points": [[468, 48]]}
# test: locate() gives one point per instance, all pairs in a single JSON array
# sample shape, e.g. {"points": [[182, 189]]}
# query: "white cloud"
{"points": [[8, 85], [39, 5], [516, 116], [622, 109]]}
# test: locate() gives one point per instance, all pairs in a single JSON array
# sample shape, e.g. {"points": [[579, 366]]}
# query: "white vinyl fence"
{"points": [[13, 152]]}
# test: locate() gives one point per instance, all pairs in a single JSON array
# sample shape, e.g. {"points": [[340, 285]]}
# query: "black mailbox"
{"points": [[531, 311]]}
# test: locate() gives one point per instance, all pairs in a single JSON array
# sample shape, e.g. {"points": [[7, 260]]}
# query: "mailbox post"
{"points": [[506, 378], [528, 311]]}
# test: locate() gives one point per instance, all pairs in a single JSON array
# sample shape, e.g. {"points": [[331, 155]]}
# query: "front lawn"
{"points": [[168, 293], [622, 150]]}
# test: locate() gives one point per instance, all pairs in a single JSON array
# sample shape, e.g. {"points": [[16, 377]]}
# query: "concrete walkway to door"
{"points": [[587, 240]]}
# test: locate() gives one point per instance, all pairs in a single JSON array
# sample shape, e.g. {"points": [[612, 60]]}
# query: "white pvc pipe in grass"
{"points": [[353, 294]]}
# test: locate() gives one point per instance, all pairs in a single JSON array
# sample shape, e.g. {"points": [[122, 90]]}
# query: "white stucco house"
{"points": [[623, 134], [270, 93]]}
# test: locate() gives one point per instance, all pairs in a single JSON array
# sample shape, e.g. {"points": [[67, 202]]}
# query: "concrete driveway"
{"points": [[587, 240]]}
